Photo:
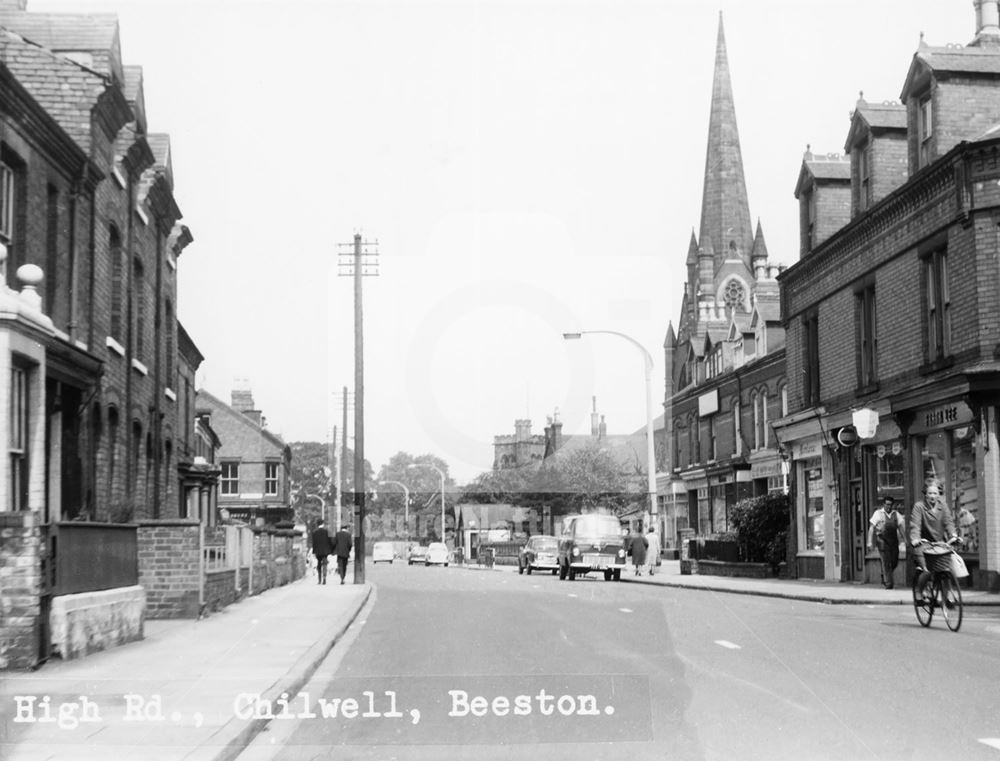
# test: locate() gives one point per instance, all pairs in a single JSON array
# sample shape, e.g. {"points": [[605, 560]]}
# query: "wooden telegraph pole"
{"points": [[362, 262]]}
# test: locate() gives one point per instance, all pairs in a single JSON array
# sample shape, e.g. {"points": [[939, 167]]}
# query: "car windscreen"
{"points": [[546, 544], [597, 527]]}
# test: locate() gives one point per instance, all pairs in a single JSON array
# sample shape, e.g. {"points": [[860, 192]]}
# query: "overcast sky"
{"points": [[527, 168]]}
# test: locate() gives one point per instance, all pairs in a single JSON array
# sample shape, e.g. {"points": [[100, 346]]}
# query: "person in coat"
{"points": [[652, 550], [637, 546], [322, 548], [342, 542], [930, 520]]}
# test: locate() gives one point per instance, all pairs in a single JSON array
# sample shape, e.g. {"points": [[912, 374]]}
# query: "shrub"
{"points": [[761, 526]]}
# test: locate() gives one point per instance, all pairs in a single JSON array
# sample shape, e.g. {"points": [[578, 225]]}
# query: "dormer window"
{"points": [[925, 130]]}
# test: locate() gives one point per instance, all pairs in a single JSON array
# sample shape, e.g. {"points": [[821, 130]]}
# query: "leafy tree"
{"points": [[312, 474]]}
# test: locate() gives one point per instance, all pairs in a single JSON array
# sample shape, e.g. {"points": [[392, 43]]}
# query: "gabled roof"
{"points": [[832, 168], [219, 405], [952, 59], [875, 118]]}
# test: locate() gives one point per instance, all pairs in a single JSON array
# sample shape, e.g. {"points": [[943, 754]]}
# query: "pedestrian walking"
{"points": [[886, 529], [342, 541], [652, 550], [322, 548], [637, 545]]}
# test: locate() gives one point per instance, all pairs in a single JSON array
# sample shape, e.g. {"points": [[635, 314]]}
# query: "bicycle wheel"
{"points": [[951, 601], [923, 598]]}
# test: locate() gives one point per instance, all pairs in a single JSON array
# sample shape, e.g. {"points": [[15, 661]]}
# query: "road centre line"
{"points": [[727, 644], [625, 610], [993, 742]]}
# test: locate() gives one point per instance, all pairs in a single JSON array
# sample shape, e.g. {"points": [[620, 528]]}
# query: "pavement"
{"points": [[180, 694]]}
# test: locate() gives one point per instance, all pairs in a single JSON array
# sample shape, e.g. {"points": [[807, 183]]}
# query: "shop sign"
{"points": [[765, 469], [805, 449], [941, 416], [725, 478], [708, 403]]}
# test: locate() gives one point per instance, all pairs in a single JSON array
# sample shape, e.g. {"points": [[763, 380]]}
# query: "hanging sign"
{"points": [[866, 422]]}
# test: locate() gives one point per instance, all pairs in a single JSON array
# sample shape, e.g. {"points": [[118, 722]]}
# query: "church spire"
{"points": [[725, 212]]}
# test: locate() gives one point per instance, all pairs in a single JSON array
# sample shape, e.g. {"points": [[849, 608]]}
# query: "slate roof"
{"points": [[64, 31], [66, 90], [883, 115], [829, 169], [960, 59]]}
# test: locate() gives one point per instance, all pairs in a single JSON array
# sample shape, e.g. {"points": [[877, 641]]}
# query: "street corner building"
{"points": [[892, 316], [108, 500]]}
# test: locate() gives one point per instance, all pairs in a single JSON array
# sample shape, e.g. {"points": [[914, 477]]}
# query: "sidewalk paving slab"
{"points": [[185, 678]]}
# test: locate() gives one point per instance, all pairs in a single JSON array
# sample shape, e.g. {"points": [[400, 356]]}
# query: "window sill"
{"points": [[942, 363], [871, 388], [139, 367], [116, 347]]}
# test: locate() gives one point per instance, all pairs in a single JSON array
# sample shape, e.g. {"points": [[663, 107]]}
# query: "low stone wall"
{"points": [[170, 567], [20, 589], [723, 568], [92, 621]]}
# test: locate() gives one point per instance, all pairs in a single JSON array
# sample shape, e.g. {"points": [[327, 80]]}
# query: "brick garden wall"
{"points": [[170, 567], [20, 589]]}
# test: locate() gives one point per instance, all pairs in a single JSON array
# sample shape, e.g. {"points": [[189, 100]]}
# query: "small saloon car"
{"points": [[591, 542], [539, 553], [437, 554]]}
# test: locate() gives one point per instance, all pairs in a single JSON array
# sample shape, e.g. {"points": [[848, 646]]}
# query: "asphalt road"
{"points": [[459, 664]]}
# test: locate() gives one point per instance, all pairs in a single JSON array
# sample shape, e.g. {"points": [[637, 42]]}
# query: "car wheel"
{"points": [[617, 574], [445, 565]]}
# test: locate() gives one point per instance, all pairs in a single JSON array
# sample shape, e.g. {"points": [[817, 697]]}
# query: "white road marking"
{"points": [[625, 610], [993, 742], [727, 644], [571, 595]]}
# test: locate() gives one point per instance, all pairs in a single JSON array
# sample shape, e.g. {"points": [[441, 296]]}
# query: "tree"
{"points": [[594, 478], [761, 526], [312, 474]]}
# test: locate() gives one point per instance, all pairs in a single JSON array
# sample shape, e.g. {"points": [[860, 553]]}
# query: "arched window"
{"points": [[763, 418], [139, 309], [755, 406]]}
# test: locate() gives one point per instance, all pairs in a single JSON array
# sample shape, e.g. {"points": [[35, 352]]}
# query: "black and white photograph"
{"points": [[556, 380]]}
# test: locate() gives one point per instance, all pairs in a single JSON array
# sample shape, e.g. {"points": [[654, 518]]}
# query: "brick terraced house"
{"points": [[892, 316]]}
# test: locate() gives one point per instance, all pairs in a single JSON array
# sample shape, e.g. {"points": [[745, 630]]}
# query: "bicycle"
{"points": [[937, 587]]}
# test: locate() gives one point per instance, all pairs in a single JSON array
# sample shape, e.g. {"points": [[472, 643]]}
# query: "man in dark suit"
{"points": [[342, 542], [322, 548]]}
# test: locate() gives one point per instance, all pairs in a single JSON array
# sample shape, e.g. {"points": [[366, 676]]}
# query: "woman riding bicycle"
{"points": [[930, 521]]}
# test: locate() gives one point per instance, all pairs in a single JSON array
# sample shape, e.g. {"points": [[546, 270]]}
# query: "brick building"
{"points": [[893, 319], [254, 464], [725, 367]]}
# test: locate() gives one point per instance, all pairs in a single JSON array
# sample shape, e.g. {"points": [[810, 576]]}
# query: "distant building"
{"points": [[254, 464]]}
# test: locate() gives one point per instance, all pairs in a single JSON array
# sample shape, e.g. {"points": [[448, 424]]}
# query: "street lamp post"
{"points": [[440, 473], [650, 453], [406, 508]]}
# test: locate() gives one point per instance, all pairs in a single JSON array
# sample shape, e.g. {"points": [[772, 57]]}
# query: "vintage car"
{"points": [[540, 552], [383, 552], [591, 542], [418, 554], [437, 554]]}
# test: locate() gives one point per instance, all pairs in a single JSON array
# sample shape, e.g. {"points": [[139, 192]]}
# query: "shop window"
{"points": [[704, 512], [720, 514], [815, 537], [950, 456], [889, 469]]}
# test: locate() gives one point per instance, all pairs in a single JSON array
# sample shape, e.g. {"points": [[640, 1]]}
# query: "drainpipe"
{"points": [[201, 568]]}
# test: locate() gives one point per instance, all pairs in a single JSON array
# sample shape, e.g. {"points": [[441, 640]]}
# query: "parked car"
{"points": [[540, 552], [418, 554], [437, 554], [383, 552], [591, 542]]}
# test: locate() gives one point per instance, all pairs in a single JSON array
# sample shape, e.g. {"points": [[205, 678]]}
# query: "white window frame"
{"points": [[271, 479], [229, 478], [6, 203]]}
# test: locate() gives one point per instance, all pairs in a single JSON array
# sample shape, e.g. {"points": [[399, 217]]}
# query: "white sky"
{"points": [[528, 168]]}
